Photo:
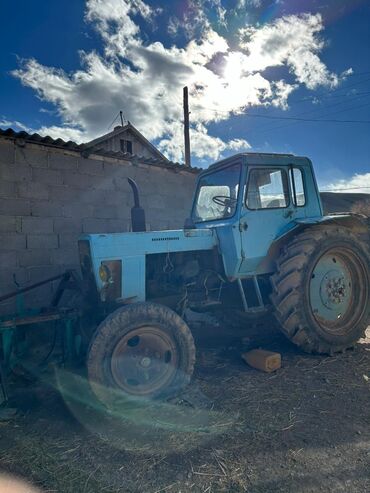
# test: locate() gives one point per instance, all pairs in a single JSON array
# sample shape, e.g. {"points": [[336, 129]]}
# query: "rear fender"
{"points": [[357, 223]]}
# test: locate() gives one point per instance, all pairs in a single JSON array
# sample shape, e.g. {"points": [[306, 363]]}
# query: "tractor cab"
{"points": [[252, 200]]}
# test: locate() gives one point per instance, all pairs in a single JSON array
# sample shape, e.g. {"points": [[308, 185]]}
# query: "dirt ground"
{"points": [[305, 428]]}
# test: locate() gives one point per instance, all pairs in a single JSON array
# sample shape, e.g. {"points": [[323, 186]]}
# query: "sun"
{"points": [[233, 70]]}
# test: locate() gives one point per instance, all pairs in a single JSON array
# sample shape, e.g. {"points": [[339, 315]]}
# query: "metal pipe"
{"points": [[28, 288]]}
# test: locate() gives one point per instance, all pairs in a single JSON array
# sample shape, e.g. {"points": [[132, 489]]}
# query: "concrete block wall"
{"points": [[49, 196]]}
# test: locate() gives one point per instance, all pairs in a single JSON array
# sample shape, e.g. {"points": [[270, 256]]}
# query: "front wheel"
{"points": [[321, 289], [142, 350]]}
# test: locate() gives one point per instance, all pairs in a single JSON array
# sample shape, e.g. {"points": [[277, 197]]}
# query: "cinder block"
{"points": [[43, 272], [46, 208], [10, 224], [42, 241], [33, 190], [17, 207], [8, 259], [32, 155], [37, 225], [7, 151], [101, 182], [118, 225], [90, 166], [93, 197], [119, 198], [15, 172], [12, 241], [62, 161], [68, 240], [78, 210], [47, 176], [159, 202], [120, 169], [120, 183], [64, 194], [65, 256], [7, 189], [124, 212], [32, 258], [93, 225], [105, 212], [77, 180], [67, 225]]}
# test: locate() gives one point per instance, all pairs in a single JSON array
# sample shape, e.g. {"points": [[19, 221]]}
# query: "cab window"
{"points": [[267, 189], [217, 194], [297, 187]]}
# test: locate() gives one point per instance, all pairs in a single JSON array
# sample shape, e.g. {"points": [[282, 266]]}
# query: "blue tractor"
{"points": [[256, 238]]}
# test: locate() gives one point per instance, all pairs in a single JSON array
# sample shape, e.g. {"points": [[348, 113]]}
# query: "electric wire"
{"points": [[316, 120], [116, 118], [297, 118], [344, 189], [313, 111]]}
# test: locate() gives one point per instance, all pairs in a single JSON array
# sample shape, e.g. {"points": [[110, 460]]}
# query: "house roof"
{"points": [[120, 130], [86, 149]]}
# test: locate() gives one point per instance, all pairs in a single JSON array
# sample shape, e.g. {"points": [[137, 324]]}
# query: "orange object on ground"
{"points": [[267, 361]]}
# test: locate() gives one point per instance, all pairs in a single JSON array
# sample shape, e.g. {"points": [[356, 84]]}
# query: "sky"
{"points": [[264, 76]]}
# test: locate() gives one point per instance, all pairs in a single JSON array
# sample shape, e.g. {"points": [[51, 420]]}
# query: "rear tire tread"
{"points": [[294, 260]]}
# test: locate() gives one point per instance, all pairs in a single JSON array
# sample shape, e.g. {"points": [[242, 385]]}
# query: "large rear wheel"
{"points": [[143, 350], [321, 289]]}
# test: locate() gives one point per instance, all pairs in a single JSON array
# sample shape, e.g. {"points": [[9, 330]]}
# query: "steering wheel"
{"points": [[223, 200]]}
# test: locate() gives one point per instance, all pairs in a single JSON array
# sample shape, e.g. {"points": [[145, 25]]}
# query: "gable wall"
{"points": [[49, 196], [113, 144]]}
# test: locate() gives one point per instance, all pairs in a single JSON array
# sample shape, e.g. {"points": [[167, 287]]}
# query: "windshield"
{"points": [[217, 194]]}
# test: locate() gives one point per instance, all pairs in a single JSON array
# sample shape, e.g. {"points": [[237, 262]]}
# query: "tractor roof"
{"points": [[261, 159]]}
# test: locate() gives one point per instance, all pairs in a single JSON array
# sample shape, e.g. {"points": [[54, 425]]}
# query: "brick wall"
{"points": [[49, 196]]}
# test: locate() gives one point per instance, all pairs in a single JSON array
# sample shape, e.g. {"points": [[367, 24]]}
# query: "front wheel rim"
{"points": [[144, 361]]}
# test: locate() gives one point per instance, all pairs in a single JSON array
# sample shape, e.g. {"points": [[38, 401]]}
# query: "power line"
{"points": [[117, 116], [344, 189], [274, 127], [317, 120]]}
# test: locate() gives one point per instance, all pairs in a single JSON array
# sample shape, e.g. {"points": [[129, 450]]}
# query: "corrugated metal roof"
{"points": [[85, 150]]}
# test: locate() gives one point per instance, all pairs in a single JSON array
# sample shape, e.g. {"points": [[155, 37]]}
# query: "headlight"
{"points": [[104, 273], [110, 273]]}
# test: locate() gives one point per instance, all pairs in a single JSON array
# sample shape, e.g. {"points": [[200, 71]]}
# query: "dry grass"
{"points": [[302, 429]]}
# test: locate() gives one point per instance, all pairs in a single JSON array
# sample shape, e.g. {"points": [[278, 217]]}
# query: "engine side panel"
{"points": [[132, 249]]}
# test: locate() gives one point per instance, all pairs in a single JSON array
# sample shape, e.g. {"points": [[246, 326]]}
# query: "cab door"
{"points": [[267, 210]]}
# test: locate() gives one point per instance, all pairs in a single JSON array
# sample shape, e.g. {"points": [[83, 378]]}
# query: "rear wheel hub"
{"points": [[331, 289]]}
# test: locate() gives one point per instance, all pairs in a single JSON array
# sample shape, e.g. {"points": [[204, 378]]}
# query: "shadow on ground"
{"points": [[302, 429]]}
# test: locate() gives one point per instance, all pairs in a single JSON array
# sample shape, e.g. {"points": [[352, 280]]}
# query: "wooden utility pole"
{"points": [[121, 115], [186, 127]]}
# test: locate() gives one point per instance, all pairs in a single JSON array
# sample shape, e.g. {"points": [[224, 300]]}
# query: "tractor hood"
{"points": [[120, 245]]}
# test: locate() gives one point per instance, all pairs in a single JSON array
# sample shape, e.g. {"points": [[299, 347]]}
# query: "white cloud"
{"points": [[145, 79], [242, 4], [292, 41], [358, 183], [5, 123]]}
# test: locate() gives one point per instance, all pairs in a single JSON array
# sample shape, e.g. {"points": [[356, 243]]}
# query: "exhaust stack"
{"points": [[137, 212]]}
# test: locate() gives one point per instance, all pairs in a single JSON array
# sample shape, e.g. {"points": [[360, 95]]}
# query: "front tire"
{"points": [[321, 289], [143, 350]]}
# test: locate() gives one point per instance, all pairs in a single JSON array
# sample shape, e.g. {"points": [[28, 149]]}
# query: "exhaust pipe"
{"points": [[137, 212]]}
